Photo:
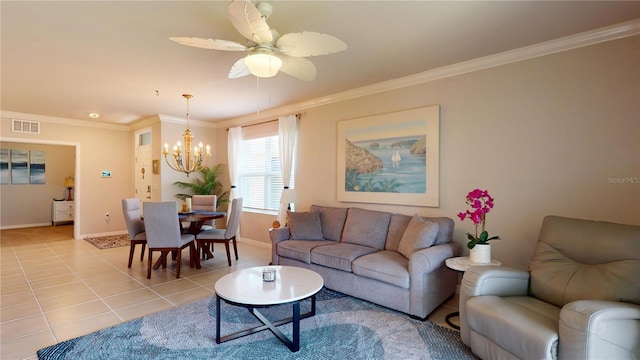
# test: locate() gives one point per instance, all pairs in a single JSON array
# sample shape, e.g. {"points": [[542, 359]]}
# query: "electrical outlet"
{"points": [[106, 217]]}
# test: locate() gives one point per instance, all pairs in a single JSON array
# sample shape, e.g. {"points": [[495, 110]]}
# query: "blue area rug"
{"points": [[343, 328]]}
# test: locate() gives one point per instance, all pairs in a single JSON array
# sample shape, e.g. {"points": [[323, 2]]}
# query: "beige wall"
{"points": [[545, 136], [558, 134], [30, 204], [99, 147]]}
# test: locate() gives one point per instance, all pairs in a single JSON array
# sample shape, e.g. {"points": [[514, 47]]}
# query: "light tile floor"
{"points": [[54, 288]]}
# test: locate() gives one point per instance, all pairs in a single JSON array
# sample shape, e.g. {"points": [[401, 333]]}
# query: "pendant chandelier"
{"points": [[189, 159]]}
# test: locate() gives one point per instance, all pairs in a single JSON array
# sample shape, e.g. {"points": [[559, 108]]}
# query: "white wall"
{"points": [[545, 136]]}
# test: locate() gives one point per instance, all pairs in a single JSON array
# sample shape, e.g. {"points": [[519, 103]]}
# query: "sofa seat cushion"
{"points": [[339, 256], [366, 227], [387, 266], [299, 249], [520, 317]]}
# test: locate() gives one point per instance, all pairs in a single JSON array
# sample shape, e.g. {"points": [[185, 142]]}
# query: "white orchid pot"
{"points": [[481, 253]]}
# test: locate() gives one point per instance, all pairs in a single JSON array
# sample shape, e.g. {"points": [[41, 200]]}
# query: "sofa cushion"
{"points": [[305, 225], [419, 234], [578, 259], [332, 220], [339, 256], [366, 227], [386, 266], [397, 226], [299, 249]]}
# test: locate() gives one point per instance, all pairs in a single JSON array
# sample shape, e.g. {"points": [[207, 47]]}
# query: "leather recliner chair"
{"points": [[580, 298]]}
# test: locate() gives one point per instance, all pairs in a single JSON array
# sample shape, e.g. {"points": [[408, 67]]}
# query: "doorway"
{"points": [[77, 190], [143, 171]]}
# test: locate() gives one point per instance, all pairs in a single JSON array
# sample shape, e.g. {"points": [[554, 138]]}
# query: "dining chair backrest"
{"points": [[234, 218], [204, 202], [161, 224], [132, 216]]}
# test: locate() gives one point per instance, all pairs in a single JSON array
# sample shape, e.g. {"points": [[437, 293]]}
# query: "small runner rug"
{"points": [[343, 328], [108, 242]]}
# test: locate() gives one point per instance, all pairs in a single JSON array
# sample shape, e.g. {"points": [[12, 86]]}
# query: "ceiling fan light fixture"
{"points": [[263, 64]]}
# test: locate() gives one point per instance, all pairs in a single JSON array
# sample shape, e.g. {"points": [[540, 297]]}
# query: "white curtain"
{"points": [[288, 135], [234, 146]]}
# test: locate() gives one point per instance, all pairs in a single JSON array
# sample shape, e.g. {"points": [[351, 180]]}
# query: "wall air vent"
{"points": [[25, 126]]}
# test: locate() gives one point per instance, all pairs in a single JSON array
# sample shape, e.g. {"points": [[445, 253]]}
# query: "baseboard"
{"points": [[255, 242], [24, 226]]}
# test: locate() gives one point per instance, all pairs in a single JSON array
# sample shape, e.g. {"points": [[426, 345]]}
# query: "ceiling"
{"points": [[68, 59]]}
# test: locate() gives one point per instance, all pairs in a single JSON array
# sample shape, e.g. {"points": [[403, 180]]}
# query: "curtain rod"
{"points": [[298, 115]]}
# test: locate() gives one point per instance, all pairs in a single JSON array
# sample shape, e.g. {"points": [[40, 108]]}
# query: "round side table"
{"points": [[463, 263]]}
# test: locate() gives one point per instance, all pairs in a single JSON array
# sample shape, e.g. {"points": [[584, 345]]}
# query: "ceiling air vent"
{"points": [[24, 126]]}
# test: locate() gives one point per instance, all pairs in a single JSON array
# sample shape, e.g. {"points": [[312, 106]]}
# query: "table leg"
{"points": [[294, 345], [217, 320], [447, 319]]}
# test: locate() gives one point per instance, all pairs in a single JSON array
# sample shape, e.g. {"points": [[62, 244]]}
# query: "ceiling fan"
{"points": [[268, 51]]}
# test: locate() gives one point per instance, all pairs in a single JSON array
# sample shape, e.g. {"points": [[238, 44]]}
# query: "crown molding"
{"points": [[62, 121], [609, 33], [179, 120]]}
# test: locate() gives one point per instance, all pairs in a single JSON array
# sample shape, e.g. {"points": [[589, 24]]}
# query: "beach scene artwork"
{"points": [[388, 164], [37, 167], [19, 166], [4, 166]]}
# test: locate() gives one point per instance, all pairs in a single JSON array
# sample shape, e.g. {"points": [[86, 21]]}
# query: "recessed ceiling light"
{"points": [[94, 115]]}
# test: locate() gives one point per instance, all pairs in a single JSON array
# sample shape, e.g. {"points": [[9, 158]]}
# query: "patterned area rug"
{"points": [[108, 242], [343, 328]]}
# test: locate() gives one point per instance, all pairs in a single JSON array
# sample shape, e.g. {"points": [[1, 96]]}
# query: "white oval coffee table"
{"points": [[246, 288]]}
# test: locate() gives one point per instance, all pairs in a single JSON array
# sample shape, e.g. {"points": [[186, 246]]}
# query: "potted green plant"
{"points": [[208, 184]]}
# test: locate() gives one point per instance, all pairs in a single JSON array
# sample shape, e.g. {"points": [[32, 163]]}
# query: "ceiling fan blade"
{"points": [[298, 67], [209, 43], [249, 22], [309, 43], [239, 69]]}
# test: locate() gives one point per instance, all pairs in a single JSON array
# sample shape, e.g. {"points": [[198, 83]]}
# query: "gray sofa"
{"points": [[393, 260], [580, 298]]}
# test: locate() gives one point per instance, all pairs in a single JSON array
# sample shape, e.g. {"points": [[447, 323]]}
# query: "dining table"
{"points": [[195, 219]]}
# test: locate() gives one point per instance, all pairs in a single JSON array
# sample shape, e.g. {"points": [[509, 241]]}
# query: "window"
{"points": [[260, 177]]}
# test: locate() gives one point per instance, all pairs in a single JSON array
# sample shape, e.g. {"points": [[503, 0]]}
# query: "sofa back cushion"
{"points": [[332, 220], [420, 234], [366, 227], [397, 226], [581, 259], [305, 225]]}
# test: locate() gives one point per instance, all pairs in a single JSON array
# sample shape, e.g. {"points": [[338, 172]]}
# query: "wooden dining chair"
{"points": [[163, 234], [224, 236], [135, 226], [205, 203]]}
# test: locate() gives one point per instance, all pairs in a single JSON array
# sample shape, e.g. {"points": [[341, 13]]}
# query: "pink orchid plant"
{"points": [[481, 203]]}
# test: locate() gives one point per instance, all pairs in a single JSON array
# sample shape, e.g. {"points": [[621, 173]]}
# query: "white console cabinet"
{"points": [[62, 211]]}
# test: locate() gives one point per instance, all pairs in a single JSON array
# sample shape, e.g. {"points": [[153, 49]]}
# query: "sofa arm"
{"points": [[597, 329], [489, 280], [277, 235], [429, 259]]}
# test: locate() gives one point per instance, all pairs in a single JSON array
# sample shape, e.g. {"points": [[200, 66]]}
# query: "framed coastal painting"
{"points": [[390, 158]]}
